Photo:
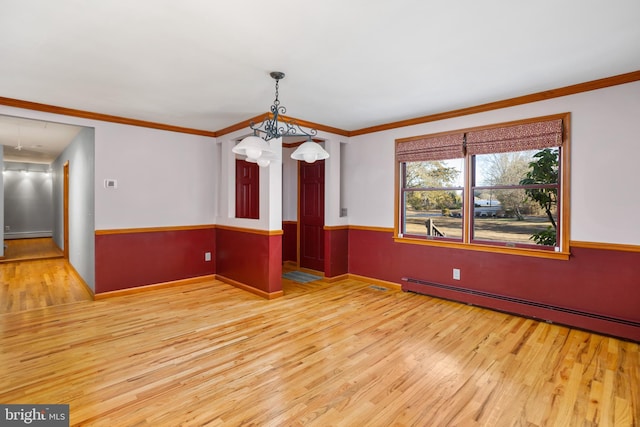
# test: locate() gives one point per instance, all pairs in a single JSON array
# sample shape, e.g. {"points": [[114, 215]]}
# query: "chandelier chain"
{"points": [[276, 102], [273, 127]]}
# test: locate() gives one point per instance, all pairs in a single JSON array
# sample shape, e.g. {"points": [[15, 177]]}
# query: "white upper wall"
{"points": [[278, 185], [29, 208], [79, 155], [270, 210], [171, 179], [164, 178], [331, 143], [289, 186], [605, 150]]}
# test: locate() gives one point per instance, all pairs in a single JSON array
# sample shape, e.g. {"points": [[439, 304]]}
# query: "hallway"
{"points": [[30, 249], [35, 275]]}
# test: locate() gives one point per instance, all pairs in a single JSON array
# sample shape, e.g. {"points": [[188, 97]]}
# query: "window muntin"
{"points": [[432, 198]]}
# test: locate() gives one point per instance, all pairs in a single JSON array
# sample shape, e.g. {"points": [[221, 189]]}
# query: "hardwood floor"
{"points": [[30, 249], [35, 275], [339, 354], [34, 284]]}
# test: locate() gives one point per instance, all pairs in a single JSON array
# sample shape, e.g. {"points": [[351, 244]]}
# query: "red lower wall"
{"points": [[593, 287], [128, 260], [336, 252], [336, 248], [290, 241], [599, 282], [253, 259]]}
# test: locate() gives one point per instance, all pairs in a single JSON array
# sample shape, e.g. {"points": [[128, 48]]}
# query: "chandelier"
{"points": [[258, 150]]}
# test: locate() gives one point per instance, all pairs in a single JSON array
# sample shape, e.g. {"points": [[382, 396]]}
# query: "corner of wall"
{"points": [[1, 206]]}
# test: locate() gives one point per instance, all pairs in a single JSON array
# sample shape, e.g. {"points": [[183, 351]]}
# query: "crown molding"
{"points": [[525, 99], [28, 105], [302, 123], [511, 102], [242, 125]]}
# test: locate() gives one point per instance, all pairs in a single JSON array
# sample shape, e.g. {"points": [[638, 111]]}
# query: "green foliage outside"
{"points": [[432, 174], [544, 170]]}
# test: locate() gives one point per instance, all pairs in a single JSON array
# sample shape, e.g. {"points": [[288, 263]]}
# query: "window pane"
{"points": [[435, 174], [512, 168], [434, 213], [511, 216]]}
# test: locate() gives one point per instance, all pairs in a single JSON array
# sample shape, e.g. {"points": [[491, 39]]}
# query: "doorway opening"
{"points": [[38, 228]]}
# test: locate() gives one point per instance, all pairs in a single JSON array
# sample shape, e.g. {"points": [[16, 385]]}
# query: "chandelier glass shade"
{"points": [[309, 151], [257, 149], [253, 147]]}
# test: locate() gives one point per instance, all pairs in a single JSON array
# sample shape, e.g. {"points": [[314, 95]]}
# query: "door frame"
{"points": [[65, 209], [299, 222]]}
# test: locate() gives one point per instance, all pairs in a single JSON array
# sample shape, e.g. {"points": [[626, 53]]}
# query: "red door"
{"points": [[311, 213], [247, 190]]}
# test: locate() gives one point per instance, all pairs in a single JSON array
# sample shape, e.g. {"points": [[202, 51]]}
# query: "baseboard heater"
{"points": [[27, 235], [518, 301]]}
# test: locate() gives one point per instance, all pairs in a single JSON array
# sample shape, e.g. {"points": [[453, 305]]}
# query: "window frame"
{"points": [[562, 249]]}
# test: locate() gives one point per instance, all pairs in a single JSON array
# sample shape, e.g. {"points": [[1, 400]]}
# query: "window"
{"points": [[500, 188]]}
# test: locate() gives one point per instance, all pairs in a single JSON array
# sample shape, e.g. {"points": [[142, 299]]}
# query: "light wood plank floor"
{"points": [[29, 285], [30, 249], [341, 354]]}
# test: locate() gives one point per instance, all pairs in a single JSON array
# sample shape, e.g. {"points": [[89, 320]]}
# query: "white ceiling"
{"points": [[34, 141], [349, 64]]}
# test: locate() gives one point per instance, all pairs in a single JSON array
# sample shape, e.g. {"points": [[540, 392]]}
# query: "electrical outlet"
{"points": [[456, 274], [7, 228], [207, 256]]}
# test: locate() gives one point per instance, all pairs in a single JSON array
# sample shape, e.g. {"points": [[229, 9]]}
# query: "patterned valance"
{"points": [[529, 136], [437, 147]]}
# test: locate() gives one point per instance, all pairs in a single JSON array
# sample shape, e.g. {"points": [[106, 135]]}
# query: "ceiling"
{"points": [[34, 141], [349, 64]]}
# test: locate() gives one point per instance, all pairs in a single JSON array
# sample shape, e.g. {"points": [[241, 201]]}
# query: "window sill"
{"points": [[537, 253]]}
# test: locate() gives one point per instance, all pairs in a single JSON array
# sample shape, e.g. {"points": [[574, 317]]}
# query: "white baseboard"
{"points": [[27, 235]]}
